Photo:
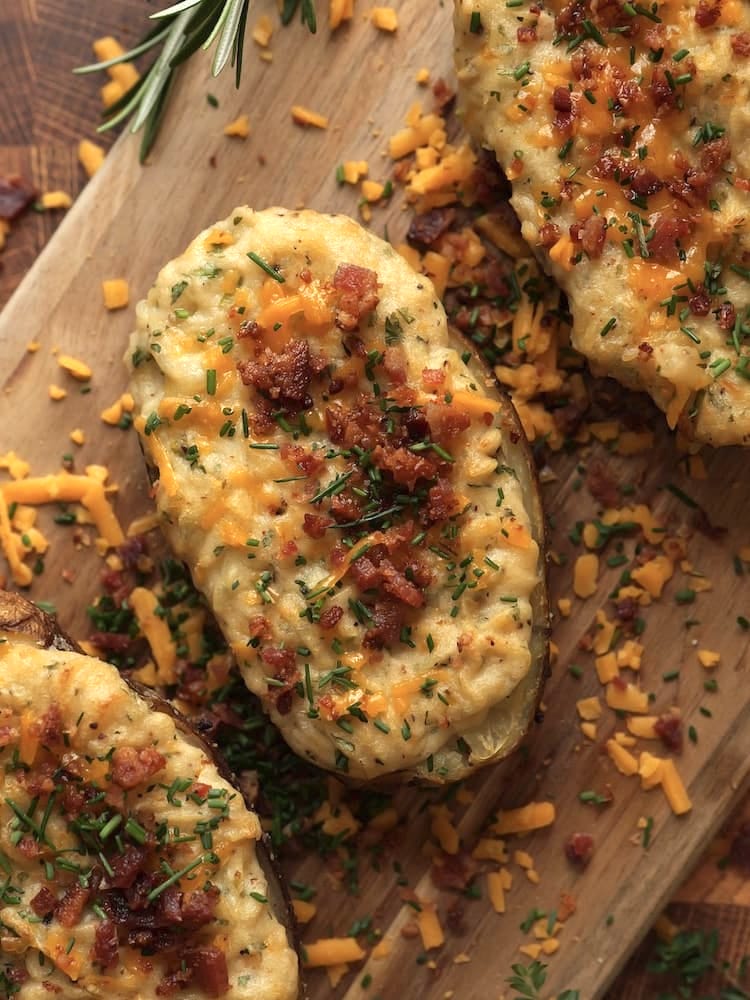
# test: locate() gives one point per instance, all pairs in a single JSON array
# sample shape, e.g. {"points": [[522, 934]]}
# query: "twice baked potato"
{"points": [[131, 867], [621, 127], [351, 491]]}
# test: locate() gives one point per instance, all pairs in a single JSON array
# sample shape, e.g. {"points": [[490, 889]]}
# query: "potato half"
{"points": [[131, 865], [351, 491], [622, 127]]}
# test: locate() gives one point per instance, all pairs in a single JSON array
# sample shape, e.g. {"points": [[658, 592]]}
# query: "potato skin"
{"points": [[447, 658], [633, 195], [21, 618]]}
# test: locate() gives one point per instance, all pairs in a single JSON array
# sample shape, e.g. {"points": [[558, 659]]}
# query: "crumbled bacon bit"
{"points": [[44, 902], [526, 33], [48, 728], [387, 618], [105, 950], [331, 616], [579, 849], [601, 483], [284, 377], [358, 294], [442, 503], [669, 730], [69, 910], [285, 672], [315, 525], [452, 871], [740, 43], [667, 232], [427, 228], [726, 315], [16, 194], [549, 234], [131, 767], [700, 302], [707, 13]]}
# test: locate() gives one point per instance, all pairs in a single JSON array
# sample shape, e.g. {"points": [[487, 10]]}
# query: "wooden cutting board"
{"points": [[128, 221]]}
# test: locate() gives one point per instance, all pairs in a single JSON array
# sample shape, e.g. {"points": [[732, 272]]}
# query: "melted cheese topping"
{"points": [[621, 126], [234, 499], [45, 849]]}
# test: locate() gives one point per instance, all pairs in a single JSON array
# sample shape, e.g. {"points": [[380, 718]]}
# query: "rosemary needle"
{"points": [[180, 30]]}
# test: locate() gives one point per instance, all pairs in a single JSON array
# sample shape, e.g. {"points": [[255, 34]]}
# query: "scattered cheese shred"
{"points": [[263, 30], [429, 927], [239, 128], [585, 575], [90, 156], [589, 709], [77, 436], [304, 910], [332, 951], [674, 788], [384, 18], [496, 891], [532, 816], [623, 760], [443, 829], [627, 698], [110, 93], [304, 116], [339, 11], [56, 199], [145, 605], [708, 658], [115, 292], [73, 366]]}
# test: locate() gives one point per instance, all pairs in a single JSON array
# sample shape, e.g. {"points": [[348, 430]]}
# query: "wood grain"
{"points": [[126, 223]]}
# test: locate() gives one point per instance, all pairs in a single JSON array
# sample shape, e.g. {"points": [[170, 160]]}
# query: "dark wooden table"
{"points": [[44, 112]]}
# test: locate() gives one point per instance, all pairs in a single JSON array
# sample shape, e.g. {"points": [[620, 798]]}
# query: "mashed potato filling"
{"points": [[622, 127], [334, 469], [128, 864]]}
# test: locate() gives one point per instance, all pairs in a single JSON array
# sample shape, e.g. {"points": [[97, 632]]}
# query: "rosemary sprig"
{"points": [[180, 30]]}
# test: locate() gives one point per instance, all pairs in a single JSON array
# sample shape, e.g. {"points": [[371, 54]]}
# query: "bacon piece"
{"points": [[405, 466], [106, 949], [16, 194], [301, 459], [562, 103], [669, 730], [284, 377], [286, 672], [601, 484], [48, 728], [131, 767], [394, 363], [331, 616], [110, 642], [428, 227], [571, 17], [740, 43], [358, 294], [445, 421], [199, 907], [69, 910], [700, 302], [387, 618], [549, 234], [667, 232], [315, 525], [126, 866], [43, 903], [707, 13], [645, 182], [441, 503], [259, 627], [593, 233], [662, 94], [452, 871], [726, 316], [579, 848], [526, 33]]}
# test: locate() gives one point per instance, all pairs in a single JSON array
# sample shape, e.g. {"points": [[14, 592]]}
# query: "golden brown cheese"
{"points": [[622, 128], [335, 473], [128, 863]]}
